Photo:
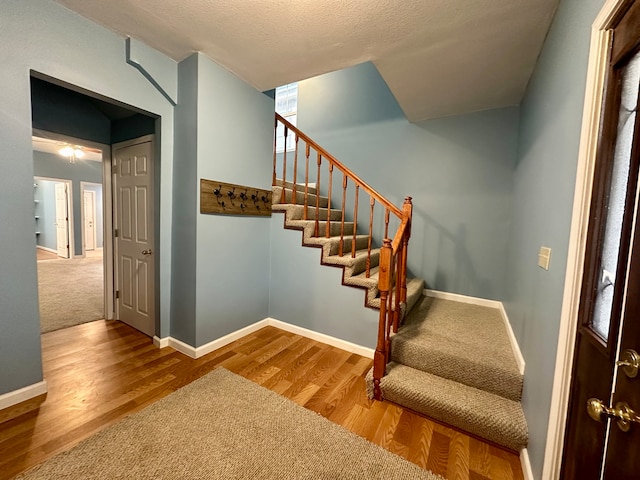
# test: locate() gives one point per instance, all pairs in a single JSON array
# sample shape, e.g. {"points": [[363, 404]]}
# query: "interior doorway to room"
{"points": [[69, 216], [81, 124]]}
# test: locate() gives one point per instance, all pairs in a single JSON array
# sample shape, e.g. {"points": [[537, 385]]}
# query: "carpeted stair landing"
{"points": [[453, 362]]}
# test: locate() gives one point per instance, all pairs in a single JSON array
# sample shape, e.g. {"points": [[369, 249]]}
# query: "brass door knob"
{"points": [[630, 362], [623, 412], [147, 252]]}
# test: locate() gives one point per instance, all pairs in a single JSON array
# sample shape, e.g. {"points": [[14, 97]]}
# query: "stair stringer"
{"points": [[347, 269], [308, 295]]}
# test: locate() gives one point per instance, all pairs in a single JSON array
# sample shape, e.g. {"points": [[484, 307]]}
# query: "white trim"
{"points": [[321, 337], [198, 352], [161, 342], [598, 58], [22, 394], [525, 463], [456, 297], [47, 249], [482, 302]]}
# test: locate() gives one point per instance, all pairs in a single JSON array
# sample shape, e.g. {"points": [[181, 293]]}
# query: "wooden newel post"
{"points": [[384, 282]]}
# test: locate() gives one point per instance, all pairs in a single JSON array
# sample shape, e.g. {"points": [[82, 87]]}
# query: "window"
{"points": [[287, 106]]}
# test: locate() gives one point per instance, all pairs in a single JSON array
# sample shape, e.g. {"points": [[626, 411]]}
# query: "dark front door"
{"points": [[602, 438]]}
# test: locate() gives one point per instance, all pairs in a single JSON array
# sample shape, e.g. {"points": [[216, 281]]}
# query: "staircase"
{"points": [[450, 361]]}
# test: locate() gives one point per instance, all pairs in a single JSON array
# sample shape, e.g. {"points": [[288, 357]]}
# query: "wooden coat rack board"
{"points": [[230, 199]]}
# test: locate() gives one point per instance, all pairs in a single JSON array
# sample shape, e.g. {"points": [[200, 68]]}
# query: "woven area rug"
{"points": [[223, 426], [71, 292]]}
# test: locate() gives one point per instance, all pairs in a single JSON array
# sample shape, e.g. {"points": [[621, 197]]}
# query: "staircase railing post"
{"points": [[407, 213], [380, 356]]}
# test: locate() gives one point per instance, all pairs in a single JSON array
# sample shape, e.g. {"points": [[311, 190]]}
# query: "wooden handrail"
{"points": [[392, 262], [326, 155]]}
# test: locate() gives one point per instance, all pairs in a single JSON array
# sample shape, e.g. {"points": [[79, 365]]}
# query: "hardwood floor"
{"points": [[102, 371]]}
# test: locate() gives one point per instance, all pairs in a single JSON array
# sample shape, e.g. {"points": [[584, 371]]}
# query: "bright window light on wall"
{"points": [[287, 106]]}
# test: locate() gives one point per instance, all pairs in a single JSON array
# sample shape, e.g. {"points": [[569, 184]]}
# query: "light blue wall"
{"points": [[459, 171], [551, 115], [55, 166], [235, 145], [46, 37], [185, 204], [45, 209]]}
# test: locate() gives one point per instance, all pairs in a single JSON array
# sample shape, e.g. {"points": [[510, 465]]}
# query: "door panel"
{"points": [[594, 446], [89, 198], [623, 458], [133, 183], [62, 220]]}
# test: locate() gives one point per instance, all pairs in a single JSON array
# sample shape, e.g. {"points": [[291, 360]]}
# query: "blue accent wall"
{"points": [[45, 210], [459, 171], [55, 166], [551, 116], [185, 204], [221, 262], [235, 145], [43, 36]]}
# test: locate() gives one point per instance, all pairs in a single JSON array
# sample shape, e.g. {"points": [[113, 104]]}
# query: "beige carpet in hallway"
{"points": [[223, 426], [71, 292]]}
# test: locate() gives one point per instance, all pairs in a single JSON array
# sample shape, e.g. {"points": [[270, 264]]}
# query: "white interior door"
{"points": [[89, 198], [134, 242], [62, 220]]}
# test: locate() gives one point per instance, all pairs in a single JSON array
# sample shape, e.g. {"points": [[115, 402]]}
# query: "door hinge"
{"points": [[115, 233], [114, 169], [117, 294]]}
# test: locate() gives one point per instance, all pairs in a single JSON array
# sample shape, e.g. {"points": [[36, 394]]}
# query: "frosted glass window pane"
{"points": [[618, 192]]}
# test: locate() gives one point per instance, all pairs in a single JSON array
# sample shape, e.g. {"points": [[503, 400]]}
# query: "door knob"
{"points": [[625, 415], [147, 252], [629, 361]]}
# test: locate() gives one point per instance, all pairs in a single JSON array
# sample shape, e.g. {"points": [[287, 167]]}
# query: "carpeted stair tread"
{"points": [[277, 198], [334, 227], [462, 342], [296, 212], [478, 412], [299, 186], [415, 287]]}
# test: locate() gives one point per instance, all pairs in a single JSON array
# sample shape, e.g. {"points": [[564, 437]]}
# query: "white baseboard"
{"points": [[321, 337], [47, 249], [198, 352], [161, 342], [525, 462], [26, 393], [483, 302]]}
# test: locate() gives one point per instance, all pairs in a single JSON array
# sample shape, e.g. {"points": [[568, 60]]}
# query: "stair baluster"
{"points": [[306, 181], [355, 222], [294, 200], [328, 226], [372, 204], [343, 210], [317, 230]]}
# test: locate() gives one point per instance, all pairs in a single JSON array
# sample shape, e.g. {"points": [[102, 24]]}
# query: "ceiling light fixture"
{"points": [[72, 153]]}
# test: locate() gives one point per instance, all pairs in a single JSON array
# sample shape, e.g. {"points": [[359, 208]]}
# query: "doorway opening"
{"points": [[74, 131]]}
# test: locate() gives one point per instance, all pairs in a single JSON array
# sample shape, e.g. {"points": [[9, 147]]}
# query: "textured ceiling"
{"points": [[439, 57]]}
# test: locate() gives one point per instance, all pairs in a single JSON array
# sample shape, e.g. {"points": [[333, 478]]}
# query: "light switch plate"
{"points": [[544, 257]]}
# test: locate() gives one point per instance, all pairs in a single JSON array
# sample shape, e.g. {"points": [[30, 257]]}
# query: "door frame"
{"points": [[107, 212], [594, 97], [95, 210], [112, 185]]}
